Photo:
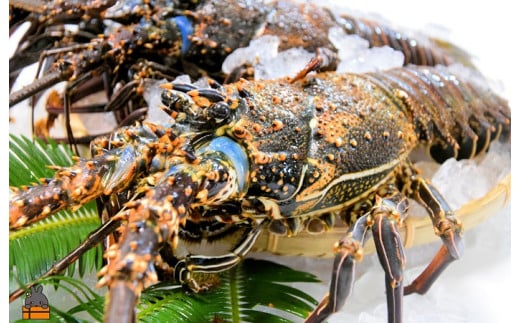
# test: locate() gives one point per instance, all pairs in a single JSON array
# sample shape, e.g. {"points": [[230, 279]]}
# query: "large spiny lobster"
{"points": [[161, 39], [284, 156]]}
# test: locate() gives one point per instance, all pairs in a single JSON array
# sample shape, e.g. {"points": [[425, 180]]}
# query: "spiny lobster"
{"points": [[282, 155], [162, 39]]}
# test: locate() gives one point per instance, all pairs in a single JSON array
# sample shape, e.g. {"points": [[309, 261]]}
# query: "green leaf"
{"points": [[241, 296], [244, 294], [28, 160]]}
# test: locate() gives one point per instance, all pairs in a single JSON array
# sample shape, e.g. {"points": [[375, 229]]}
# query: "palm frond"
{"points": [[33, 250], [29, 160], [241, 296], [253, 291]]}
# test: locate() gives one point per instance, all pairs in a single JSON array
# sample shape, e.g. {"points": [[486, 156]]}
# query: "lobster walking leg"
{"points": [[348, 251], [384, 220], [67, 106], [215, 264], [387, 239], [447, 226]]}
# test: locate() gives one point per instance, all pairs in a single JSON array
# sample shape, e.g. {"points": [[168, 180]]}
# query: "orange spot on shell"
{"points": [[277, 125]]}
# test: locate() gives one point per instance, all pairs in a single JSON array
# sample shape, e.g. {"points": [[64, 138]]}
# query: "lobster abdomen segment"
{"points": [[452, 114]]}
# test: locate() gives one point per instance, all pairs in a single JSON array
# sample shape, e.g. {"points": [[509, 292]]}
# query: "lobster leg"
{"points": [[447, 226], [324, 60], [50, 78], [348, 251], [148, 72], [42, 83], [123, 96], [388, 216], [67, 105], [215, 264], [384, 219]]}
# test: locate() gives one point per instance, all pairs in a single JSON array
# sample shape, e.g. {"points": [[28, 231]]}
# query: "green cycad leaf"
{"points": [[267, 290], [28, 160], [33, 250], [241, 296], [253, 291]]}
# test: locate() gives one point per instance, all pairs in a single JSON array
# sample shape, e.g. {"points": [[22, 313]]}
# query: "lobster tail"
{"points": [[453, 115]]}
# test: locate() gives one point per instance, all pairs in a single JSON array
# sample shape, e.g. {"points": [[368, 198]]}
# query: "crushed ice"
{"points": [[464, 180], [259, 50], [356, 57]]}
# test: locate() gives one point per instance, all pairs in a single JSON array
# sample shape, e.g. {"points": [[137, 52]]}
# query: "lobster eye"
{"points": [[219, 111], [175, 100], [167, 98]]}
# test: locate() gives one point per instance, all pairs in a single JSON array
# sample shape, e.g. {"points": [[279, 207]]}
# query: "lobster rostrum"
{"points": [[162, 39], [280, 155]]}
